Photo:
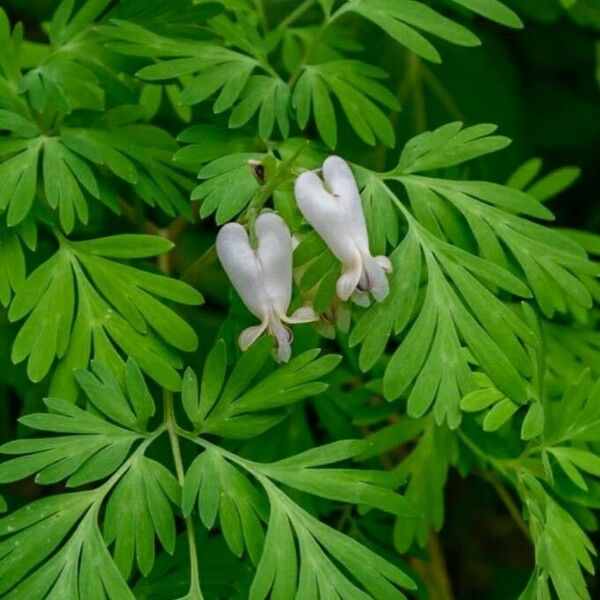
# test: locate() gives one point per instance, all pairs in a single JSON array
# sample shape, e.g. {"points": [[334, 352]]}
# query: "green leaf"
{"points": [[554, 183], [401, 20], [12, 263], [525, 174], [65, 177], [138, 511], [446, 316], [95, 446], [216, 483], [125, 246], [499, 414], [228, 187], [267, 96], [32, 567], [235, 407], [17, 124], [557, 269], [583, 459], [86, 305], [325, 455], [141, 155], [18, 180], [426, 468], [448, 146], [480, 399], [562, 549], [213, 377], [506, 198], [576, 417], [64, 83], [283, 570], [221, 489], [533, 423], [209, 142], [494, 10], [355, 86], [66, 23], [344, 485]]}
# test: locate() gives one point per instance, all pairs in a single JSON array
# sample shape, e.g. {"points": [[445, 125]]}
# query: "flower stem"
{"points": [[192, 274]]}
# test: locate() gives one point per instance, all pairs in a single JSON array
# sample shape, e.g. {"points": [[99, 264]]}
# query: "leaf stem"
{"points": [[416, 66], [443, 95], [507, 500], [109, 483], [310, 48], [260, 9], [496, 482], [493, 462], [192, 273], [296, 13], [434, 570], [195, 590]]}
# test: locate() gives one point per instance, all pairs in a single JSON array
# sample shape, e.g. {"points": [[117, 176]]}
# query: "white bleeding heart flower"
{"points": [[334, 209], [263, 278]]}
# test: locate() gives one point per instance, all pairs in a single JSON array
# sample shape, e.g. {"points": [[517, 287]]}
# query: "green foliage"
{"points": [[353, 84], [140, 494], [243, 407], [143, 454], [80, 303]]}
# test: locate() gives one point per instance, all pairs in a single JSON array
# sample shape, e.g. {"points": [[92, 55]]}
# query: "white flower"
{"points": [[334, 209], [263, 278]]}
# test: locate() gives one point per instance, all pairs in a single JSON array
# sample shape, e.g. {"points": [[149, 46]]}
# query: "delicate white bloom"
{"points": [[334, 209], [263, 278]]}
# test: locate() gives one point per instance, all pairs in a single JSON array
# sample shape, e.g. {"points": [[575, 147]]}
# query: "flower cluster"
{"points": [[262, 276]]}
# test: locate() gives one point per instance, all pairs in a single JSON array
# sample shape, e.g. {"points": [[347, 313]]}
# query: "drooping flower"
{"points": [[263, 278], [334, 209]]}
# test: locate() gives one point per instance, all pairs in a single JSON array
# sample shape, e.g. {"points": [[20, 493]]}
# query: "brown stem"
{"points": [[504, 495], [434, 571], [133, 217]]}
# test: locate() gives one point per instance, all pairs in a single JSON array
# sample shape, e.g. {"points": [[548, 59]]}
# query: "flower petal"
{"points": [[305, 314], [327, 216], [378, 283], [361, 298], [348, 281], [250, 335], [274, 255], [283, 338], [242, 268], [385, 263], [340, 181]]}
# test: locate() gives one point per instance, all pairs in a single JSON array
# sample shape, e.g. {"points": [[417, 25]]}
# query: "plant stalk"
{"points": [[195, 589]]}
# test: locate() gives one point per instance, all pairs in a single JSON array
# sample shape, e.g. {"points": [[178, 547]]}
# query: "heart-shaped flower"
{"points": [[263, 278], [334, 209]]}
